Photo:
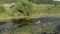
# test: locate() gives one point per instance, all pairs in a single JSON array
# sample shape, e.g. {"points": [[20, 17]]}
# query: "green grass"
{"points": [[36, 9]]}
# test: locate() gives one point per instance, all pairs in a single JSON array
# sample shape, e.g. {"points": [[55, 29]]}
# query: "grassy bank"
{"points": [[38, 10]]}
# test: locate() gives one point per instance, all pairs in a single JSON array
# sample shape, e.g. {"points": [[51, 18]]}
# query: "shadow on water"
{"points": [[9, 25], [22, 22]]}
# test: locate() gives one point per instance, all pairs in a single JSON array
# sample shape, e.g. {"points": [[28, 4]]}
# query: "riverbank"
{"points": [[30, 17]]}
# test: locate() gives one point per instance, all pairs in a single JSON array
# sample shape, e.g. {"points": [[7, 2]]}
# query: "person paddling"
{"points": [[38, 22]]}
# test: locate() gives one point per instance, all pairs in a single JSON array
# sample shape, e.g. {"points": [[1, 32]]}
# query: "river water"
{"points": [[49, 26]]}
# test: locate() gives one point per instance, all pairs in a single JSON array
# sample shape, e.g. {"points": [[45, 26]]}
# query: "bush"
{"points": [[26, 7], [2, 10]]}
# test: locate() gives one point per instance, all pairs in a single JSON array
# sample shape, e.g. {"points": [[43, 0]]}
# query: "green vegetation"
{"points": [[12, 11], [26, 7], [8, 1], [41, 1], [2, 10], [30, 9]]}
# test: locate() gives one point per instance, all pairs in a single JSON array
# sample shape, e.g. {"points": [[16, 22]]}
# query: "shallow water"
{"points": [[47, 19], [49, 26]]}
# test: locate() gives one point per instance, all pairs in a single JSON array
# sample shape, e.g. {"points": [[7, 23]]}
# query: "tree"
{"points": [[25, 7]]}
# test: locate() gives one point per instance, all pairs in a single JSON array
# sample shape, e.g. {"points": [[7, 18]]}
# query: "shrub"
{"points": [[26, 7], [2, 10]]}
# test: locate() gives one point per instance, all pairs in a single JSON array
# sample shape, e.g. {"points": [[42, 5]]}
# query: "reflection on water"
{"points": [[48, 19], [50, 26], [8, 25]]}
